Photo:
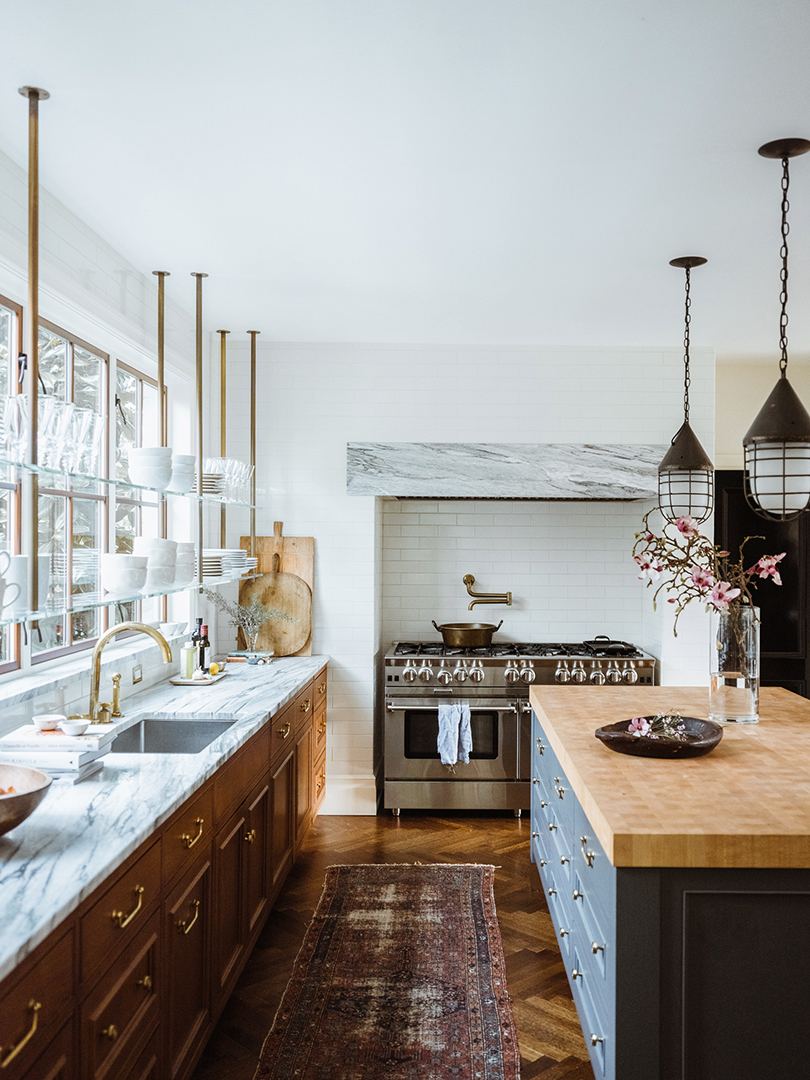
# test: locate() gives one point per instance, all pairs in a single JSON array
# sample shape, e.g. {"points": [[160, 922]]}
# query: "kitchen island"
{"points": [[162, 866], [679, 889]]}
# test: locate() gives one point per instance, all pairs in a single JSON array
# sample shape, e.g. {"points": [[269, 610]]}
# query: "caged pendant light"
{"points": [[777, 445], [685, 476]]}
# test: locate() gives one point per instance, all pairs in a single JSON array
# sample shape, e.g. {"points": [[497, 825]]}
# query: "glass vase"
{"points": [[734, 666]]}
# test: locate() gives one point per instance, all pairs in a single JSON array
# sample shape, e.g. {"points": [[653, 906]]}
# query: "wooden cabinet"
{"points": [[187, 935], [129, 987]]}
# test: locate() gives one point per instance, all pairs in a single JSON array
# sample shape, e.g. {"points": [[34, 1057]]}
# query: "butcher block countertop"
{"points": [[746, 804]]}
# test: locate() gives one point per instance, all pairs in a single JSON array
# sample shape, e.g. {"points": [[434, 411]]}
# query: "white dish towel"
{"points": [[455, 732]]}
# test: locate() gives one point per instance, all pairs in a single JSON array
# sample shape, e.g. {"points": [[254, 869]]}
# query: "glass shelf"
{"points": [[91, 600], [69, 479]]}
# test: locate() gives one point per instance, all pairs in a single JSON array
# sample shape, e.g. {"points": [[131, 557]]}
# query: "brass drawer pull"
{"points": [[189, 841], [145, 982], [33, 1007], [184, 924], [306, 705], [250, 836], [322, 727], [111, 1033], [322, 688], [120, 919], [285, 731]]}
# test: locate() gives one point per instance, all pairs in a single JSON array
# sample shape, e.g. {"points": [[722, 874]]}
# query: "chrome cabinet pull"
{"points": [[560, 791], [589, 855], [33, 1008], [540, 748], [596, 1039], [183, 924], [552, 827], [543, 804], [578, 895], [564, 859], [120, 919], [189, 841], [576, 973], [552, 892], [596, 948]]}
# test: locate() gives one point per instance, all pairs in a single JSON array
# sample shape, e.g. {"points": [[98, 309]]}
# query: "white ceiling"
{"points": [[507, 171]]}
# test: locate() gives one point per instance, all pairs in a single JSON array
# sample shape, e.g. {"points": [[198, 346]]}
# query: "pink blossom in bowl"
{"points": [[639, 726]]}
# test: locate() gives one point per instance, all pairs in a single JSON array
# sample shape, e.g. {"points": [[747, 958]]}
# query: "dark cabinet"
{"points": [[784, 609]]}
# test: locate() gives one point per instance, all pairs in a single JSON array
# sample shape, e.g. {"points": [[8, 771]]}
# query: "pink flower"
{"points": [[722, 593], [701, 578], [766, 567], [649, 570], [688, 526], [639, 726]]}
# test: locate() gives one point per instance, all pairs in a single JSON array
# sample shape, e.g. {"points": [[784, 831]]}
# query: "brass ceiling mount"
{"points": [[782, 148], [687, 262]]}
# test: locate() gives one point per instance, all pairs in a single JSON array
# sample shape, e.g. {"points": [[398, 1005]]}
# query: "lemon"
{"points": [[213, 669]]}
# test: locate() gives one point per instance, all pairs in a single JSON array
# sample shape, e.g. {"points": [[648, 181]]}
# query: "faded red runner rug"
{"points": [[401, 977]]}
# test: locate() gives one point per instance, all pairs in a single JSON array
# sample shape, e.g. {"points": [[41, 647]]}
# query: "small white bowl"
{"points": [[74, 727], [145, 545], [149, 453], [48, 723], [150, 476], [169, 629], [184, 459], [159, 577], [186, 547]]}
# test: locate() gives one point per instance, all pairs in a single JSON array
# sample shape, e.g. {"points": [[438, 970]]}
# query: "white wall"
{"points": [[568, 565], [742, 389]]}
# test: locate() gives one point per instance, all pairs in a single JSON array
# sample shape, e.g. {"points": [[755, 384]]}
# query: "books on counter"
{"points": [[76, 777], [54, 760], [29, 738]]}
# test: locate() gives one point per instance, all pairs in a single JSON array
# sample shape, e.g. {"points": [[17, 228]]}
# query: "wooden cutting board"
{"points": [[286, 565]]}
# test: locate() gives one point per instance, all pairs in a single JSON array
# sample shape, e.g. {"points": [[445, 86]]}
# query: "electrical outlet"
{"points": [[137, 674]]}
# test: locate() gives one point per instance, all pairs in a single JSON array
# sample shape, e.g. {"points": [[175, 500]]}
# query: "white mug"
{"points": [[3, 588], [17, 574]]}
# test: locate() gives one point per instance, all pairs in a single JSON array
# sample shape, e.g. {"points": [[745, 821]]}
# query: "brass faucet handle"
{"points": [[116, 701], [104, 713]]}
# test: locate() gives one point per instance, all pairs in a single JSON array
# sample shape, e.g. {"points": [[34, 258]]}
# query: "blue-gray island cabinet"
{"points": [[679, 890]]}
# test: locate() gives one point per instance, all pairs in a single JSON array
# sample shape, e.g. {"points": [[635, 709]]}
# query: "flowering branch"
{"points": [[696, 569], [247, 618]]}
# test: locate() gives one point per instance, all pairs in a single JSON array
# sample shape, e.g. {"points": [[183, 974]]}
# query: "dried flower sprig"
{"points": [[249, 618], [695, 569]]}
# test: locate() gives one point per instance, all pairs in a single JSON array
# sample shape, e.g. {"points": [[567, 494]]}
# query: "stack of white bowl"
{"points": [[150, 466], [183, 473], [161, 561], [123, 575], [184, 567]]}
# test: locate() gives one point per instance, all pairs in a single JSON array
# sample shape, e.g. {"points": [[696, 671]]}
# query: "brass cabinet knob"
{"points": [[111, 1033], [250, 836], [145, 982]]}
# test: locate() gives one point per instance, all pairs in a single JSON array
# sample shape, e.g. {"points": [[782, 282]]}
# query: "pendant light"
{"points": [[685, 476], [777, 445]]}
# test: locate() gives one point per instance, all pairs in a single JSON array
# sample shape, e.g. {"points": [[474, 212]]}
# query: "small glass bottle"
{"points": [[204, 650]]}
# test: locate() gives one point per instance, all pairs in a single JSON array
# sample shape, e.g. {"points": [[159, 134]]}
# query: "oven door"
{"points": [[412, 731]]}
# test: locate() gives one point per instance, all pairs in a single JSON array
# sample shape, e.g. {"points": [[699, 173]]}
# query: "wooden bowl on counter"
{"points": [[30, 787], [701, 738]]}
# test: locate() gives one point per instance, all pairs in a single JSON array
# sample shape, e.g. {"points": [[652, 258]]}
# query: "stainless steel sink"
{"points": [[170, 736]]}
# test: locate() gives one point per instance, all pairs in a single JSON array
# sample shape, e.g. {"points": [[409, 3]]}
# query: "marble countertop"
{"points": [[80, 833]]}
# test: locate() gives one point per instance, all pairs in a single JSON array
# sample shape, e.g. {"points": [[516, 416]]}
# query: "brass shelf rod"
{"points": [[161, 275], [253, 335], [35, 94], [200, 460], [222, 414]]}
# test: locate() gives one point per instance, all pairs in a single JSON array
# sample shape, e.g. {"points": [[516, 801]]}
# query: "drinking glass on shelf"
{"points": [[74, 446], [15, 421], [54, 419], [89, 461]]}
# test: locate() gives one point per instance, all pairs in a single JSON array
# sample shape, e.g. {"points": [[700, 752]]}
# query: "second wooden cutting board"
{"points": [[286, 565]]}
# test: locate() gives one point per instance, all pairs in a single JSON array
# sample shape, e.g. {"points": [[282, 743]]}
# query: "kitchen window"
{"points": [[10, 349], [73, 510]]}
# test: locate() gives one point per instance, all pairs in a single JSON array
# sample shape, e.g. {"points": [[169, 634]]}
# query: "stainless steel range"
{"points": [[495, 680]]}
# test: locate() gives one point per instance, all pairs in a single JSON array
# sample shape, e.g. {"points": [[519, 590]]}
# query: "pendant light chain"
{"points": [[686, 377], [783, 295]]}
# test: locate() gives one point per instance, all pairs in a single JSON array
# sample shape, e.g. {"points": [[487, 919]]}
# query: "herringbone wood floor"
{"points": [[551, 1042]]}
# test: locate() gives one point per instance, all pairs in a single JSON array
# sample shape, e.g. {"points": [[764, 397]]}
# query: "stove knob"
{"points": [[562, 674], [528, 673], [444, 676], [460, 674], [630, 675], [477, 673], [597, 677], [614, 676], [578, 674], [409, 674], [425, 672], [511, 674]]}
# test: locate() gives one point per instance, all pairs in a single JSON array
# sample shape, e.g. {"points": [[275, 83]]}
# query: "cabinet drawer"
{"points": [[237, 776], [558, 908], [188, 832], [120, 913], [282, 733], [123, 1006], [596, 870], [320, 731], [320, 779], [320, 687], [596, 940], [31, 1012], [302, 707], [146, 1064]]}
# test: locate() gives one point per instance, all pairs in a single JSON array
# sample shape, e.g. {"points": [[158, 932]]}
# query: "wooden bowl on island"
{"points": [[30, 787], [701, 737]]}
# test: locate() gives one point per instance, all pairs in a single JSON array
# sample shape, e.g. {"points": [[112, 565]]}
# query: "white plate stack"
{"points": [[214, 484], [225, 563]]}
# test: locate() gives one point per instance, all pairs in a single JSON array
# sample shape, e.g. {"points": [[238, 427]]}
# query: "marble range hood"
{"points": [[577, 471]]}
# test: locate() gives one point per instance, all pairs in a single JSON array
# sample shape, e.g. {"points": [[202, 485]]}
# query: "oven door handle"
{"points": [[393, 706]]}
